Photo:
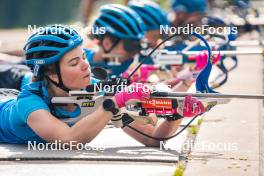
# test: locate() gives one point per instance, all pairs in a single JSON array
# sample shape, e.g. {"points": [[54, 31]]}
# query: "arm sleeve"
{"points": [[25, 106]]}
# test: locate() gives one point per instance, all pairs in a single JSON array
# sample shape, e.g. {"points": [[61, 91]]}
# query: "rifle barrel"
{"points": [[205, 95]]}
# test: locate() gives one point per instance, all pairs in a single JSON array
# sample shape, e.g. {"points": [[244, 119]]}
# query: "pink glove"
{"points": [[192, 107], [134, 78], [146, 70], [132, 92], [141, 75], [201, 60]]}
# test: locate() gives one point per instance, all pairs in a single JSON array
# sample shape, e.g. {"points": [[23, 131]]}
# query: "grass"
{"points": [[193, 130], [200, 121], [179, 170]]}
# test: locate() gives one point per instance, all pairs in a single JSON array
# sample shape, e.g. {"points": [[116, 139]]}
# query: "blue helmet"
{"points": [[189, 6], [150, 12], [56, 39], [119, 21], [242, 3]]}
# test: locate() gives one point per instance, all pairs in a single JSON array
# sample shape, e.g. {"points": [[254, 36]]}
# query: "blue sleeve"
{"points": [[89, 54], [27, 105]]}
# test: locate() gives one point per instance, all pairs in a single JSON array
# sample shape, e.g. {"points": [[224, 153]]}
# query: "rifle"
{"points": [[159, 102]]}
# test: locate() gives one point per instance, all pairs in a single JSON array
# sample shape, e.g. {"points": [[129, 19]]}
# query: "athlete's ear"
{"points": [[54, 77]]}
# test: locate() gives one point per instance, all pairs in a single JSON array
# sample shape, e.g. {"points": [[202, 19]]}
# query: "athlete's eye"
{"points": [[74, 63]]}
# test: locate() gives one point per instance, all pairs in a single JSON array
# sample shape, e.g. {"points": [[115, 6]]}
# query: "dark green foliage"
{"points": [[21, 13]]}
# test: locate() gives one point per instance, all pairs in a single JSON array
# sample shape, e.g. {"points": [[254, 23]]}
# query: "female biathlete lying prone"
{"points": [[59, 65]]}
